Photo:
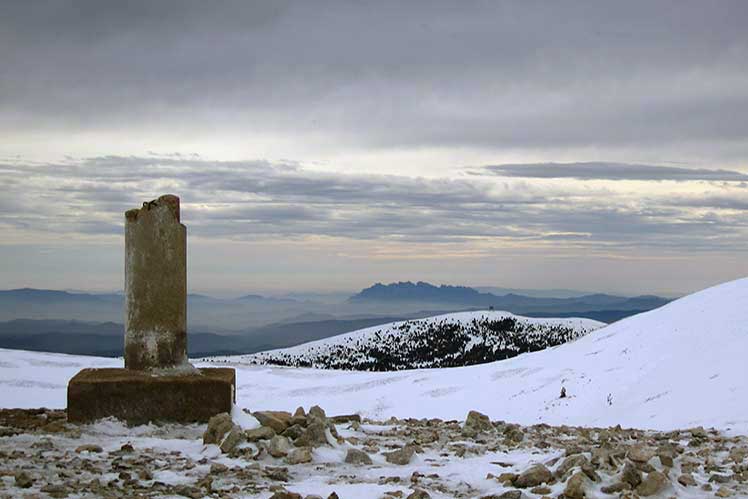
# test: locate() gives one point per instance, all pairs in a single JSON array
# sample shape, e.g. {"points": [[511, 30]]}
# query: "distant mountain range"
{"points": [[83, 323], [423, 292]]}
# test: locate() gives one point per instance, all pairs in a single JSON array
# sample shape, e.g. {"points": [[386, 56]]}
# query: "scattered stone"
{"points": [[400, 456], [541, 490], [723, 492], [356, 456], [615, 488], [89, 448], [575, 486], [234, 437], [218, 468], [640, 454], [631, 476], [218, 426], [261, 433], [419, 494], [23, 480], [533, 476], [478, 422], [507, 478], [279, 446], [346, 418], [687, 480], [294, 431], [314, 435], [299, 455], [274, 419], [286, 495], [317, 412], [654, 483]]}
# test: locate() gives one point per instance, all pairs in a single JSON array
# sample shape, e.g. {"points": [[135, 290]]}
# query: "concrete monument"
{"points": [[157, 383]]}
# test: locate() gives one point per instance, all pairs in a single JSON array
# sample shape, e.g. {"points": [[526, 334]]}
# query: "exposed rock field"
{"points": [[308, 455]]}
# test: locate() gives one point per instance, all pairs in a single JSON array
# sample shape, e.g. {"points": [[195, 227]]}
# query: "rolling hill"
{"points": [[450, 340]]}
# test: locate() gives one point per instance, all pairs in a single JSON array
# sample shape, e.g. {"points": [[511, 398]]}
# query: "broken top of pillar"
{"points": [[155, 286]]}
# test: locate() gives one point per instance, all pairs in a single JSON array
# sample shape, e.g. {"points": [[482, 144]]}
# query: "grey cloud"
{"points": [[487, 74], [609, 171], [259, 200]]}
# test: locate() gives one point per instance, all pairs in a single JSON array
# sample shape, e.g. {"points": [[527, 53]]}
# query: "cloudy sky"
{"points": [[597, 145]]}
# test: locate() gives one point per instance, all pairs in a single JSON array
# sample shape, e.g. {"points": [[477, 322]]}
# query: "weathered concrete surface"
{"points": [[155, 286], [138, 397]]}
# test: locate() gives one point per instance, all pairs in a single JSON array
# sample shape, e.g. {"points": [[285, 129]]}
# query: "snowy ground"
{"points": [[679, 366]]}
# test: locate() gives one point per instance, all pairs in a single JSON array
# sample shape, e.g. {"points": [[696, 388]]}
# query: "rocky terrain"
{"points": [[451, 340], [310, 455]]}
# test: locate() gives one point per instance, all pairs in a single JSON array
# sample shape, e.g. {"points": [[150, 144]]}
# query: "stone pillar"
{"points": [[155, 286]]}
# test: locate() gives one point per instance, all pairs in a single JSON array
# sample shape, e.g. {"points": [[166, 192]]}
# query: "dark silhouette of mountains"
{"points": [[84, 323], [423, 292]]}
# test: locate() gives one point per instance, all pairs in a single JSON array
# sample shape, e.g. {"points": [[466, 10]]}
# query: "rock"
{"points": [[478, 422], [356, 456], [298, 418], [234, 437], [284, 494], [218, 426], [314, 435], [279, 446], [723, 492], [89, 448], [317, 413], [631, 476], [653, 484], [640, 453], [23, 480], [333, 496], [261, 433], [400, 456], [273, 419], [218, 468], [666, 460], [507, 477], [575, 486], [687, 480], [299, 455], [615, 488], [294, 431], [419, 494], [510, 494], [569, 463], [346, 418], [533, 476], [542, 490], [514, 433]]}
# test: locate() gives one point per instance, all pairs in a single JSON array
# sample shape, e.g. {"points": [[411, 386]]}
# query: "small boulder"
{"points": [[631, 476], [687, 480], [477, 422], [356, 456], [218, 426], [653, 484], [419, 494], [89, 448], [261, 433], [299, 455], [575, 486], [23, 480], [533, 476], [640, 453], [400, 456], [234, 437], [314, 435], [279, 446], [284, 494], [276, 420]]}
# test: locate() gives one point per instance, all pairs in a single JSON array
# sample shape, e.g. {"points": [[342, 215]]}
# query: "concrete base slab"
{"points": [[139, 397]]}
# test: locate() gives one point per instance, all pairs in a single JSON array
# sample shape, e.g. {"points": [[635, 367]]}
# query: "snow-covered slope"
{"points": [[450, 340], [678, 366]]}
